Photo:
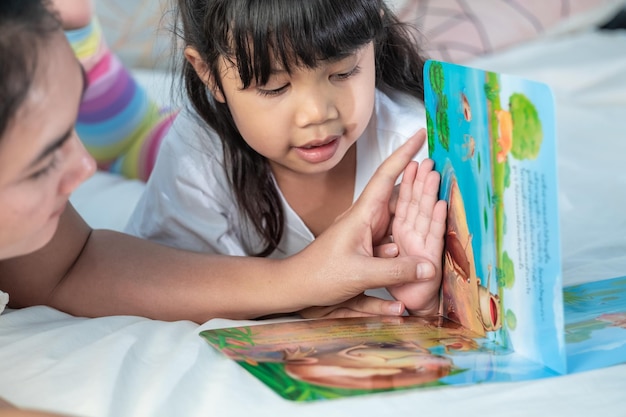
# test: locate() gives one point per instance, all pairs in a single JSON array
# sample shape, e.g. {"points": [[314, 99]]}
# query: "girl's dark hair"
{"points": [[256, 34], [24, 27]]}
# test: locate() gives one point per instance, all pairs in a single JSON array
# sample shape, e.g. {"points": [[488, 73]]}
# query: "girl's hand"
{"points": [[418, 229], [386, 250], [339, 265]]}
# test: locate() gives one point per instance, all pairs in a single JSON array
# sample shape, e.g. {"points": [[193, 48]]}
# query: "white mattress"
{"points": [[130, 366]]}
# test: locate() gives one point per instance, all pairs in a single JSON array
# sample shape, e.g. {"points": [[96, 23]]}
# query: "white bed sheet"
{"points": [[130, 366]]}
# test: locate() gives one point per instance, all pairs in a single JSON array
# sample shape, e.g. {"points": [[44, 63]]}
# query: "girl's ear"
{"points": [[202, 69]]}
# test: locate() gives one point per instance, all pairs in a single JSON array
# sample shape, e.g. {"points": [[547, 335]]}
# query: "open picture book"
{"points": [[504, 314]]}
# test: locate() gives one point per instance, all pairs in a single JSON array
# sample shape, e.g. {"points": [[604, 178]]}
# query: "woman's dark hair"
{"points": [[24, 28], [256, 34]]}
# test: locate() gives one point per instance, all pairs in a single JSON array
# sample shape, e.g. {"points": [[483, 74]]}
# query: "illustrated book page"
{"points": [[492, 137], [502, 314]]}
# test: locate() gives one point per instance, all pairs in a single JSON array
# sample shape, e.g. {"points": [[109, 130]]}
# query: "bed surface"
{"points": [[130, 366]]}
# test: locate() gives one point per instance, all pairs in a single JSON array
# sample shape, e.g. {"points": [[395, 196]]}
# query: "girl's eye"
{"points": [[47, 169], [346, 75], [271, 93]]}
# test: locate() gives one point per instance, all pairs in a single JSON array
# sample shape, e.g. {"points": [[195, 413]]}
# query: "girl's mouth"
{"points": [[318, 153]]}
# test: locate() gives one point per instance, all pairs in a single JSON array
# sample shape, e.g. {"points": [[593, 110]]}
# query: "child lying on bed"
{"points": [[285, 124], [136, 153]]}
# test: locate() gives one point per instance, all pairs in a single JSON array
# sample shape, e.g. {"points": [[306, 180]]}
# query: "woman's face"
{"points": [[41, 158]]}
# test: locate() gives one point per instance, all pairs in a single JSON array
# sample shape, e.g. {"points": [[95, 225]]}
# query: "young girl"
{"points": [[293, 105]]}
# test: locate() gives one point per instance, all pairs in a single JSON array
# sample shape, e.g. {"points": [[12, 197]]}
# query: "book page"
{"points": [[492, 137], [311, 360], [595, 324]]}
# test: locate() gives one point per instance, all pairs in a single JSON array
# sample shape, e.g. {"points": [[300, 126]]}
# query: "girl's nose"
{"points": [[316, 107], [80, 166]]}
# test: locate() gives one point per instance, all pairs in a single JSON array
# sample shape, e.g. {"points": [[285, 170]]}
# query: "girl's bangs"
{"points": [[283, 34]]}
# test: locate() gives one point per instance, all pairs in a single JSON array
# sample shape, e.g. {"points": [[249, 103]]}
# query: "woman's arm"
{"points": [[9, 410], [91, 273]]}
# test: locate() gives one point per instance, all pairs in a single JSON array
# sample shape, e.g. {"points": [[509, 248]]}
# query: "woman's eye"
{"points": [[274, 92], [47, 169]]}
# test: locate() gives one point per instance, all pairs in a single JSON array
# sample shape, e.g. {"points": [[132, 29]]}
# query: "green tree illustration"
{"points": [[510, 319], [506, 273], [492, 89], [436, 77], [485, 218], [443, 128], [527, 132], [507, 174], [430, 128]]}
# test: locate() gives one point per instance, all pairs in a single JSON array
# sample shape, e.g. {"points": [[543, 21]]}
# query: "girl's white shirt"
{"points": [[188, 202], [4, 300]]}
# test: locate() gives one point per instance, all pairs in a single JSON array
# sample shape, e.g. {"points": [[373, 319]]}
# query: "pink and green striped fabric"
{"points": [[120, 125]]}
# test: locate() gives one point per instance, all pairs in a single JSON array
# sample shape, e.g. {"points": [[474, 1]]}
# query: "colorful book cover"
{"points": [[504, 315]]}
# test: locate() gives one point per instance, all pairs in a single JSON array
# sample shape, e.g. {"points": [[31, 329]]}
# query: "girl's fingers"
{"points": [[386, 250], [405, 194], [426, 204], [438, 226], [380, 186]]}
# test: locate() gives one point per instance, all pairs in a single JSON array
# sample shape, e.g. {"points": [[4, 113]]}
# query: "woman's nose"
{"points": [[81, 166]]}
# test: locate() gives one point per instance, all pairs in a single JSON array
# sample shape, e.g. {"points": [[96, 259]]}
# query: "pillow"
{"points": [[139, 31], [4, 300], [459, 30], [453, 30], [106, 200]]}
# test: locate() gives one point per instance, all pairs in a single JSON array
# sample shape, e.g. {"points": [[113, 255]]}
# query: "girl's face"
{"points": [[306, 121], [41, 158]]}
